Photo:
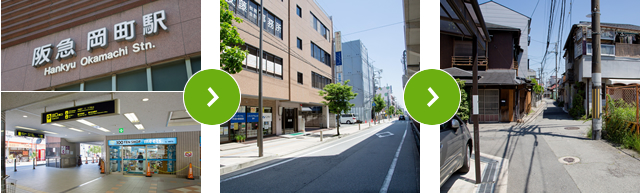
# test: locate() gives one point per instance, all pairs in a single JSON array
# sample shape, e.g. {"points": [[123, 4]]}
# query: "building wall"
{"points": [[446, 51], [187, 141], [294, 59], [498, 14], [182, 39], [501, 50]]}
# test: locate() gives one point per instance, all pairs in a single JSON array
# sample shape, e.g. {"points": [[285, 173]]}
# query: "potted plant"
{"points": [[238, 138]]}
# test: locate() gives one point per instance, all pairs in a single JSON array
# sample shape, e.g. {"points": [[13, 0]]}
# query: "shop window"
{"points": [[132, 81], [195, 65], [73, 87], [300, 77], [169, 77], [101, 84]]}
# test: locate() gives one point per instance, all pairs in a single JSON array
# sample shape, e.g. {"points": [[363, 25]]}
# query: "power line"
{"points": [[374, 28]]}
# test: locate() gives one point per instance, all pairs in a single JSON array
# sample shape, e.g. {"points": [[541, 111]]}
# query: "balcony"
{"points": [[458, 61], [628, 50]]}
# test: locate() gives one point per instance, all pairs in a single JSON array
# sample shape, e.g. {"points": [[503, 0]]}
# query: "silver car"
{"points": [[455, 148]]}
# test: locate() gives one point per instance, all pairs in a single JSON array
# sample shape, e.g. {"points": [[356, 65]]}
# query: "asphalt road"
{"points": [[359, 162], [533, 165]]}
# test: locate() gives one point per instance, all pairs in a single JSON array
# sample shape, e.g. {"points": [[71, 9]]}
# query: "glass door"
{"points": [[115, 159], [133, 159]]}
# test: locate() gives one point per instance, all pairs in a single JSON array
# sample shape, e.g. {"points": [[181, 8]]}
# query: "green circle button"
{"points": [[211, 96], [432, 96]]}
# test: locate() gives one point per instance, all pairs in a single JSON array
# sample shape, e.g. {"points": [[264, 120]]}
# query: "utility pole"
{"points": [[260, 124], [596, 76], [474, 115], [555, 90]]}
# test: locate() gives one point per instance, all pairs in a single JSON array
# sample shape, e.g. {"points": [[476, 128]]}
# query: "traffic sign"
{"points": [[432, 96], [211, 97]]}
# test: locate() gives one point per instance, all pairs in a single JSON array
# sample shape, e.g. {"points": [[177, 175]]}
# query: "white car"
{"points": [[348, 118]]}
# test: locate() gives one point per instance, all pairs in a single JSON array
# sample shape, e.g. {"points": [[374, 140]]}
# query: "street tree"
{"points": [[337, 97], [463, 110], [231, 56], [392, 110], [380, 104]]}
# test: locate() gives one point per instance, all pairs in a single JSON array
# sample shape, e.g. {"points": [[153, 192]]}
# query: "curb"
{"points": [[416, 135], [235, 167]]}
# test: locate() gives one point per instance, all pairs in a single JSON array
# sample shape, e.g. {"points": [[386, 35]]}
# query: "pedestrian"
{"points": [[140, 166]]}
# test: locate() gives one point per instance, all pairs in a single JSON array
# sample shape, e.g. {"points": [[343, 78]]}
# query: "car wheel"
{"points": [[467, 160], [348, 122]]}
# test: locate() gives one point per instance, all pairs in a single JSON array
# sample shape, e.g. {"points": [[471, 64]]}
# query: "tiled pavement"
{"points": [[87, 179]]}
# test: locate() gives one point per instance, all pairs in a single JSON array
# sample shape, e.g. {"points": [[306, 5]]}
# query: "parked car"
{"points": [[401, 117], [348, 118], [455, 148]]}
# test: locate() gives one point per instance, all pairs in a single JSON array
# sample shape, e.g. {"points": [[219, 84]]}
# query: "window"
{"points": [[299, 43], [176, 70], [249, 9], [319, 27], [195, 65], [318, 81], [605, 49], [299, 11], [132, 81], [319, 54], [102, 84], [272, 64], [74, 87], [300, 77]]}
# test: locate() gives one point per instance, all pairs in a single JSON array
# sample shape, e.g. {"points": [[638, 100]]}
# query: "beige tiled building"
{"points": [[298, 46]]}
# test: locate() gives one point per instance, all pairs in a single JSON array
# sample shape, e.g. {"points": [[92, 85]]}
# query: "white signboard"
{"points": [[475, 105]]}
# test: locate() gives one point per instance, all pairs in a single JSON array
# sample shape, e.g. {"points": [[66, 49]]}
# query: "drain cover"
{"points": [[568, 160], [572, 128]]}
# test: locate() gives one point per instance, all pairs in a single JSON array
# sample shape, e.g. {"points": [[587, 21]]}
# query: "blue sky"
{"points": [[621, 11], [385, 44]]}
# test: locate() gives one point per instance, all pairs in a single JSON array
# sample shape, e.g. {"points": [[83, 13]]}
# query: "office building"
{"points": [[297, 63]]}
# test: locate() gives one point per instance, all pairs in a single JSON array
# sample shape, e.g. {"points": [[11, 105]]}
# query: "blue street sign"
{"points": [[338, 58]]}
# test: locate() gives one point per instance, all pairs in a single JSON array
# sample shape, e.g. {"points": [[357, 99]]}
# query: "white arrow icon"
{"points": [[215, 97], [435, 97]]}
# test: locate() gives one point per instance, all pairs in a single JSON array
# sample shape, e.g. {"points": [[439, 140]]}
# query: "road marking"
{"points": [[384, 134], [293, 158], [435, 97], [387, 180], [215, 97]]}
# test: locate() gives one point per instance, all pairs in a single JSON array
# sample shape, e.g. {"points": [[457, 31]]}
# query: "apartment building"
{"points": [[297, 63], [136, 45], [620, 51]]}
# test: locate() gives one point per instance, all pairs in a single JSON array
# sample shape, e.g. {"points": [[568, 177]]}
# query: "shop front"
{"points": [[131, 156], [245, 123]]}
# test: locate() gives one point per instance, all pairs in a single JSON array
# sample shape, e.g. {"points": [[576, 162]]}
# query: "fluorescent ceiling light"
{"points": [[58, 125], [49, 132], [86, 122], [24, 116], [145, 99], [74, 129], [27, 128], [103, 129], [132, 117], [139, 126]]}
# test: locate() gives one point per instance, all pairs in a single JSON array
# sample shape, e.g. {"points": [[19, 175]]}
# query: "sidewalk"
{"points": [[237, 156]]}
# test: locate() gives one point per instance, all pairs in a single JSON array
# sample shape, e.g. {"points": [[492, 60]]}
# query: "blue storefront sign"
{"points": [[153, 141], [338, 58], [238, 118], [253, 117]]}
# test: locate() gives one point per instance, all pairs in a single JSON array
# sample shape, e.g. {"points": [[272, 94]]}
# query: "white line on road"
{"points": [[387, 180], [293, 158]]}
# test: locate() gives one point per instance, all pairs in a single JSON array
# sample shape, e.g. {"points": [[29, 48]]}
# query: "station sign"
{"points": [[28, 134], [104, 108], [153, 141]]}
